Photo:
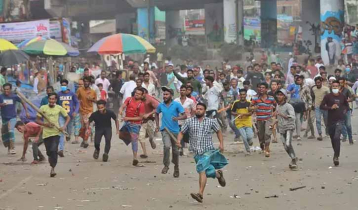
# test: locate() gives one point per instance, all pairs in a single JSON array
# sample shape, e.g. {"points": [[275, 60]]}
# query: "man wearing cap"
{"points": [[172, 112], [286, 124]]}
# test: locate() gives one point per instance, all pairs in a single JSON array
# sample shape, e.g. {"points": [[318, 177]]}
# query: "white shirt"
{"points": [[150, 88], [189, 107], [95, 73], [105, 82], [127, 89], [318, 65], [240, 83], [179, 84], [250, 94], [212, 95], [36, 82]]}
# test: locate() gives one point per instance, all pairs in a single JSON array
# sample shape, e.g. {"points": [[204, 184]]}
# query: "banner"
{"points": [[195, 25], [55, 30], [20, 31], [66, 31]]}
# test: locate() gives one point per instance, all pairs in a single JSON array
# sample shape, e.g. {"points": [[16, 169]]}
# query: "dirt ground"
{"points": [[253, 182]]}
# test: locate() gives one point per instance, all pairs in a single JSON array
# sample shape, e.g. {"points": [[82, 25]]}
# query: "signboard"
{"points": [[195, 25], [55, 30], [17, 32], [66, 31]]}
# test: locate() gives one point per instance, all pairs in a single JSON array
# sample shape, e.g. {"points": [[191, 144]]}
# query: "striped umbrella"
{"points": [[122, 43], [50, 47], [6, 45], [30, 41]]}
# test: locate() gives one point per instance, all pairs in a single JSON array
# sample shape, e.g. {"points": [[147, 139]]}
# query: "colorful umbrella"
{"points": [[30, 41], [122, 43], [50, 47], [12, 57], [6, 45]]}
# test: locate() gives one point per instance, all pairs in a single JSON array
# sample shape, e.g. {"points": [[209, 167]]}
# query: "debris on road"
{"points": [[272, 196], [297, 188]]}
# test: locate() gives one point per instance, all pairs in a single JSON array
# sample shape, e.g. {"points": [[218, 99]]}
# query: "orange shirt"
{"points": [[86, 106]]}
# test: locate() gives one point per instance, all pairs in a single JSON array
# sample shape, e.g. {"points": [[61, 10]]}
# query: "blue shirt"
{"points": [[296, 94], [168, 112], [44, 101], [9, 110], [69, 102]]}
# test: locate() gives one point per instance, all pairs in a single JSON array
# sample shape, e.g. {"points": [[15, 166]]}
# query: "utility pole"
{"points": [[239, 6]]}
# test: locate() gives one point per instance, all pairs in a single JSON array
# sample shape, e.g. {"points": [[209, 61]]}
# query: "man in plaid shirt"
{"points": [[207, 159]]}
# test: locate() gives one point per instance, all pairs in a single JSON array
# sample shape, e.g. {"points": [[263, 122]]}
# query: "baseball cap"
{"points": [[283, 91], [165, 88]]}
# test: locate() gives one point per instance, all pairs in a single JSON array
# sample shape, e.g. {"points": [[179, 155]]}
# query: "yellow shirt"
{"points": [[242, 108], [52, 114]]}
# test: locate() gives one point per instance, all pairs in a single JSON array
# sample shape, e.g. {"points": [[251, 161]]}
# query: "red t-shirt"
{"points": [[134, 109], [313, 70], [193, 98], [103, 95], [32, 129]]}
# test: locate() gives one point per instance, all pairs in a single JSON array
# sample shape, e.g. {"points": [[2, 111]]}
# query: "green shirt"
{"points": [[195, 83], [2, 80], [53, 115]]}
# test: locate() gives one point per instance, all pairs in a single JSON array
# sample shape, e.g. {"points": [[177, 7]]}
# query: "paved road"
{"points": [[84, 183]]}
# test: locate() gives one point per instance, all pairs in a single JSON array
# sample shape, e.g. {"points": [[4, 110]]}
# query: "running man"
{"points": [[147, 128], [243, 119], [189, 107], [103, 127], [172, 112], [337, 105], [87, 97], [68, 100], [33, 131], [207, 159], [51, 135], [135, 110], [8, 114], [286, 124], [263, 105]]}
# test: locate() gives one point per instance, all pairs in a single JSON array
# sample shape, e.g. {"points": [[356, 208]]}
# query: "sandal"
{"points": [[221, 179], [143, 156], [197, 197]]}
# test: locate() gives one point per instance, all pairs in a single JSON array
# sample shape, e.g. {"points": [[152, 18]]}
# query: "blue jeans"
{"points": [[319, 113], [247, 134], [62, 121], [232, 124], [347, 127]]}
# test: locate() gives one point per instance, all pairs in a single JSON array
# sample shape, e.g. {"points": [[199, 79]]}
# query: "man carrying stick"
{"points": [[201, 143], [51, 130]]}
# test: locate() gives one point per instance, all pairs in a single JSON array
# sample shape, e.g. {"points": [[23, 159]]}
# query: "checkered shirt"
{"points": [[200, 134]]}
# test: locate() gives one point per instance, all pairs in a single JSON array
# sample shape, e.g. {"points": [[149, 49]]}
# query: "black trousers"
{"points": [[107, 133], [51, 144], [335, 131]]}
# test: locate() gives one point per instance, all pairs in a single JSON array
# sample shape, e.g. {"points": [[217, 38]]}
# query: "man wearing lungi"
{"points": [[8, 114], [207, 159], [135, 110]]}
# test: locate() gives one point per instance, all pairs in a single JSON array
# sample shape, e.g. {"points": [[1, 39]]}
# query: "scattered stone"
{"points": [[272, 196], [297, 188], [323, 187], [30, 193]]}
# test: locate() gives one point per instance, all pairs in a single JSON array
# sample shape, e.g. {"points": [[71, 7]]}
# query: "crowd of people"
{"points": [[256, 99]]}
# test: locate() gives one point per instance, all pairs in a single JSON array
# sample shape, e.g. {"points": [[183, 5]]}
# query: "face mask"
{"points": [[335, 91], [348, 69], [63, 88]]}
